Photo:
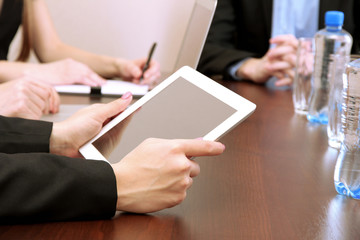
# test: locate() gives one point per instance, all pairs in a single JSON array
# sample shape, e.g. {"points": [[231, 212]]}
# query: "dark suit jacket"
{"points": [[36, 186], [242, 29]]}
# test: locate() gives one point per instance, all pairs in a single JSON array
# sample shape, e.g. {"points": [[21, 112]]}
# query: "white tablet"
{"points": [[186, 105]]}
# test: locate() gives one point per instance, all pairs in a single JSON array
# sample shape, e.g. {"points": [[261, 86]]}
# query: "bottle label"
{"points": [[351, 106], [354, 84]]}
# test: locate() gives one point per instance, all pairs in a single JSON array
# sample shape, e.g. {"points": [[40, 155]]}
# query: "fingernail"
{"points": [[126, 95], [199, 138]]}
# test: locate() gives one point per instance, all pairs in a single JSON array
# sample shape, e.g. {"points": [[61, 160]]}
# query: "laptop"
{"points": [[195, 35]]}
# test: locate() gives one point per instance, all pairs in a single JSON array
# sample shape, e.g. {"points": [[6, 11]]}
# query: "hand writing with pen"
{"points": [[140, 71]]}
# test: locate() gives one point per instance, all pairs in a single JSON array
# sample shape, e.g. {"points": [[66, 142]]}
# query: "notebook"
{"points": [[112, 88]]}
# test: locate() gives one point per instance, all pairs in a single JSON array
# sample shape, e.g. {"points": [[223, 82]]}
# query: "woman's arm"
{"points": [[48, 48]]}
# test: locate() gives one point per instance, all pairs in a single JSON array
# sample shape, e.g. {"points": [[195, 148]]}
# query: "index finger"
{"points": [[197, 147], [280, 51], [152, 74], [285, 39]]}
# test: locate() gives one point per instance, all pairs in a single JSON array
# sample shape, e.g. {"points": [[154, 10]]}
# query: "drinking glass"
{"points": [[304, 69]]}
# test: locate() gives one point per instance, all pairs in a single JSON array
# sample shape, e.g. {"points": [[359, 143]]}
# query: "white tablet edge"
{"points": [[243, 106]]}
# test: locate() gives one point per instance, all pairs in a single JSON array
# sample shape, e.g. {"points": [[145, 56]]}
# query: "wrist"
{"points": [[252, 69], [58, 143], [246, 70], [121, 196], [130, 193], [106, 67], [113, 67], [33, 69], [118, 65]]}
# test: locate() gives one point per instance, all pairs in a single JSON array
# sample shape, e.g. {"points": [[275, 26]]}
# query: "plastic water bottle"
{"points": [[335, 100], [328, 41], [347, 169]]}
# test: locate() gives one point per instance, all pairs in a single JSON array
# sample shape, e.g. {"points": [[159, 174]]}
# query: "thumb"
{"points": [[117, 106]]}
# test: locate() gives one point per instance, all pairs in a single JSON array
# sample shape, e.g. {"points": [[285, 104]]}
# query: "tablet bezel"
{"points": [[242, 106]]}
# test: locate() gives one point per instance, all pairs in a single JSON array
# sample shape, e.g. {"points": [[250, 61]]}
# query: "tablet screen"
{"points": [[183, 111]]}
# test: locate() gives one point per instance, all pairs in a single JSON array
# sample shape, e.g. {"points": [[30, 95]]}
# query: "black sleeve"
{"points": [[356, 34], [220, 49], [22, 135], [38, 187], [10, 20]]}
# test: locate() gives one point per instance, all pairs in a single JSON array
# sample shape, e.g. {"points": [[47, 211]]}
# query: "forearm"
{"points": [[13, 70], [105, 66], [48, 47]]}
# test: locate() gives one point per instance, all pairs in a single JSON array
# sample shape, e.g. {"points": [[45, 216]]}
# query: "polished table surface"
{"points": [[274, 181]]}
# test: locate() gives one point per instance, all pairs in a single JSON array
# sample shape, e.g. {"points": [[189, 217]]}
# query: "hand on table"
{"points": [[283, 55], [131, 70], [65, 72], [27, 98], [279, 61]]}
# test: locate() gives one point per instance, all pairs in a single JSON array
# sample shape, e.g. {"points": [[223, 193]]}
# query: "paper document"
{"points": [[110, 88]]}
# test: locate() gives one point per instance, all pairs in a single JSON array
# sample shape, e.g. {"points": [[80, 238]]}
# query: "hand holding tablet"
{"points": [[150, 143], [187, 105], [157, 173]]}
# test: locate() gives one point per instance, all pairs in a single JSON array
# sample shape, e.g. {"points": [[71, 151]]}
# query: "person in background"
{"points": [[43, 178], [256, 40], [59, 62]]}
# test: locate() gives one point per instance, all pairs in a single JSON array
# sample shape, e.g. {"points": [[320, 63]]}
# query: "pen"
{"points": [[146, 66]]}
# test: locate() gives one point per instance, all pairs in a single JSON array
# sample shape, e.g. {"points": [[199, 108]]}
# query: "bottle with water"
{"points": [[347, 169], [335, 100], [328, 41]]}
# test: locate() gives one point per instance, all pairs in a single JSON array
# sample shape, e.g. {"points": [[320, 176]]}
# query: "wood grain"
{"points": [[274, 181]]}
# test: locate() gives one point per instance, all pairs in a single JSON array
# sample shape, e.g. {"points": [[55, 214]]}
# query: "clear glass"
{"points": [[303, 73]]}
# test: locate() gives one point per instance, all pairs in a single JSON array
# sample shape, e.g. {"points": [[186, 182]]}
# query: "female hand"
{"points": [[131, 70], [27, 98], [69, 135], [65, 72]]}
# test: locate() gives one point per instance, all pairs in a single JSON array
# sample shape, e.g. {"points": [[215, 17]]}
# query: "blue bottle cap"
{"points": [[334, 18]]}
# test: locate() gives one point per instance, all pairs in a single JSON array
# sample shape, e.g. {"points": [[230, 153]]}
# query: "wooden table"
{"points": [[274, 181]]}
